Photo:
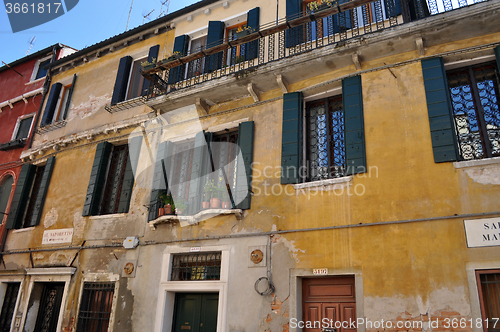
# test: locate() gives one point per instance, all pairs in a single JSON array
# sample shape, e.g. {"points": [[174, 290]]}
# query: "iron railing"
{"points": [[307, 31], [201, 266]]}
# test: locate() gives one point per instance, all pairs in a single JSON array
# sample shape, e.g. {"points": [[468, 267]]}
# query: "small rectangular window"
{"points": [[41, 72], [136, 81], [200, 266], [24, 128], [95, 306]]}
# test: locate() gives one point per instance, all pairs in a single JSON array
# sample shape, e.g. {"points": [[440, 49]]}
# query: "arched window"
{"points": [[5, 189]]}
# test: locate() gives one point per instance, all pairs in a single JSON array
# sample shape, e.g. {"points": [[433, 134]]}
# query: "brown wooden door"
{"points": [[331, 300]]}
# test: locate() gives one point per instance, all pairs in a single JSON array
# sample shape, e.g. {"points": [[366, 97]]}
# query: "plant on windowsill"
{"points": [[238, 59], [168, 204], [243, 31], [174, 56], [319, 5], [213, 194], [180, 208], [146, 65]]}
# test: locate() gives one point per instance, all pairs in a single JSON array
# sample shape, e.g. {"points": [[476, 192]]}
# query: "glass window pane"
{"points": [[42, 72], [136, 80], [24, 128], [5, 189]]}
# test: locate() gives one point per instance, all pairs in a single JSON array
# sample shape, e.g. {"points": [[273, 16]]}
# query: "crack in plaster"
{"points": [[90, 107], [290, 245]]}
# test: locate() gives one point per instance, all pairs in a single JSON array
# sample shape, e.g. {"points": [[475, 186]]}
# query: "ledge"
{"points": [[108, 216], [194, 219], [323, 183], [474, 163], [51, 271], [51, 127]]}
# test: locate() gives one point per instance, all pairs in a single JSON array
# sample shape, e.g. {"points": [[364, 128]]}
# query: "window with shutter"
{"points": [[58, 103]]}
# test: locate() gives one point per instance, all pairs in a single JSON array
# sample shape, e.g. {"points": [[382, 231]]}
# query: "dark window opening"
{"points": [[474, 97], [202, 266], [325, 139], [95, 307], [115, 173], [136, 82], [41, 71], [24, 128], [9, 305], [35, 189]]}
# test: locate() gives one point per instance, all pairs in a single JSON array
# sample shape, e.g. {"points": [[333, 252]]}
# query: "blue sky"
{"points": [[90, 22]]}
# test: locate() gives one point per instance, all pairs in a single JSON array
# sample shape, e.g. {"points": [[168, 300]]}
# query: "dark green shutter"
{"points": [[294, 36], [215, 37], [291, 143], [443, 138], [352, 100], [21, 196], [200, 158], [342, 21], [68, 101], [42, 192], [181, 44], [252, 48], [392, 8], [120, 89], [152, 58], [244, 176], [497, 54], [134, 149], [50, 107], [97, 179]]}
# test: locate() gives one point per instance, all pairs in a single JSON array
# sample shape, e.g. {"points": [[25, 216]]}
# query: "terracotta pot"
{"points": [[215, 203], [205, 205], [168, 209], [179, 212], [226, 205], [161, 212]]}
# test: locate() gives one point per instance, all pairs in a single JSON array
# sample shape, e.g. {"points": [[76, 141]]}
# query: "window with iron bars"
{"points": [[95, 307], [199, 266], [325, 142], [474, 97]]}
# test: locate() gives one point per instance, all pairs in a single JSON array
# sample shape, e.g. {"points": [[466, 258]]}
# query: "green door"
{"points": [[196, 312]]}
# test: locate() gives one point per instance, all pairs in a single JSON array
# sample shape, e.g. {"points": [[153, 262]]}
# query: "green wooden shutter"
{"points": [[497, 54], [392, 7], [442, 128], [21, 196], [152, 58], [181, 44], [291, 143], [342, 21], [134, 149], [68, 101], [121, 82], [294, 36], [200, 155], [244, 172], [215, 36], [50, 107], [252, 48], [97, 179], [352, 100], [42, 192]]}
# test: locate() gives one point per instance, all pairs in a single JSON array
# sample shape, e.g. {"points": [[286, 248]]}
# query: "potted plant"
{"points": [[243, 31], [146, 65], [213, 195], [166, 200], [180, 208], [174, 56], [206, 201]]}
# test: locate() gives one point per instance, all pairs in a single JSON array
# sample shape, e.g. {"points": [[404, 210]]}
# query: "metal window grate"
{"points": [[201, 266], [325, 139], [95, 307], [490, 288]]}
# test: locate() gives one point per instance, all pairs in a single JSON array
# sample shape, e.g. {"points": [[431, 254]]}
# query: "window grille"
{"points": [[201, 266], [325, 139], [95, 307], [475, 101], [9, 304], [490, 285]]}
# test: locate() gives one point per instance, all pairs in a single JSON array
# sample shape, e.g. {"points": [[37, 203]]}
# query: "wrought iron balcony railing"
{"points": [[313, 29]]}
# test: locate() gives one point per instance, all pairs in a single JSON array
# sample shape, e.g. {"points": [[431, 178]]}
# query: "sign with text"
{"points": [[320, 272], [482, 232], [57, 236]]}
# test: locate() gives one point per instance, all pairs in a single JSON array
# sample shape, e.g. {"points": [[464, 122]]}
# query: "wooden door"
{"points": [[195, 312]]}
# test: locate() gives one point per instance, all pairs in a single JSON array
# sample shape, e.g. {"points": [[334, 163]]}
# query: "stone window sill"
{"points": [[323, 183], [108, 216], [20, 230], [479, 162], [194, 219]]}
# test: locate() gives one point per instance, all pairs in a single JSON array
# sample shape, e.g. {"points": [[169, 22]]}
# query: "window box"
{"points": [[14, 144]]}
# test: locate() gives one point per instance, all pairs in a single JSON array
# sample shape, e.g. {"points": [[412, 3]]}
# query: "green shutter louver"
{"points": [[291, 144], [50, 107], [181, 44], [294, 36], [200, 157], [121, 82], [392, 7], [152, 58], [21, 196], [215, 36], [97, 179], [442, 128], [352, 100], [134, 149], [252, 48], [42, 192], [244, 172], [342, 21]]}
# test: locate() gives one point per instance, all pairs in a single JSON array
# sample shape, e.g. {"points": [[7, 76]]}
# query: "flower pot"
{"points": [[179, 212], [205, 205], [161, 212], [215, 203], [242, 33], [226, 205], [168, 209], [173, 57]]}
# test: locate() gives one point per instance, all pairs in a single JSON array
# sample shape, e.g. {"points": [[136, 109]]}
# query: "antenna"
{"points": [[163, 3], [32, 43], [129, 12], [146, 16]]}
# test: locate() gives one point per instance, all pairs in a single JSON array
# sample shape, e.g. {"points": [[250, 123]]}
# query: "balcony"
{"points": [[335, 33]]}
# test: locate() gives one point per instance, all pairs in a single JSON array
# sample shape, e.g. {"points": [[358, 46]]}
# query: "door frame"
{"points": [[296, 276]]}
